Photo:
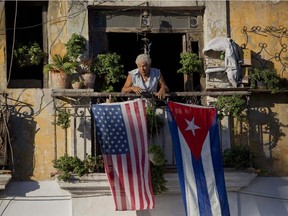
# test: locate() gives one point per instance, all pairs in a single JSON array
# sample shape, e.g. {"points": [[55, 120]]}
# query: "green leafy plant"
{"points": [[28, 54], [93, 164], [157, 158], [154, 122], [268, 76], [238, 156], [190, 63], [233, 105], [63, 118], [108, 69], [156, 154], [76, 45], [61, 64], [68, 166]]}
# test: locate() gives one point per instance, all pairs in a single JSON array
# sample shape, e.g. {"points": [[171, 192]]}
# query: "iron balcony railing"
{"points": [[80, 138]]}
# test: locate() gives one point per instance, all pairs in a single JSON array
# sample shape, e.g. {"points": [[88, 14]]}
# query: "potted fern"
{"points": [[60, 70]]}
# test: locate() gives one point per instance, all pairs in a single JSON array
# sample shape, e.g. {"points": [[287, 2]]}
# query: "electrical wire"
{"points": [[13, 42]]}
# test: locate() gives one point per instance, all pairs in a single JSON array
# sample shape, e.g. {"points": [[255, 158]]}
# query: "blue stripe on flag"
{"points": [[202, 191], [218, 168], [177, 151]]}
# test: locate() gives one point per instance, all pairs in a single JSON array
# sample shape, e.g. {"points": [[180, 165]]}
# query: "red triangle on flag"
{"points": [[193, 122]]}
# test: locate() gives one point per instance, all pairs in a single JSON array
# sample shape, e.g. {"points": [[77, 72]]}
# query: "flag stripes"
{"points": [[126, 165], [201, 178]]}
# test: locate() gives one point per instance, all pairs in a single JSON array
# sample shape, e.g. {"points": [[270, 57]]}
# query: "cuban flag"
{"points": [[121, 130], [195, 136]]}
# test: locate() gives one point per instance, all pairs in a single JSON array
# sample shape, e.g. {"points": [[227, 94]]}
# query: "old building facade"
{"points": [[170, 27]]}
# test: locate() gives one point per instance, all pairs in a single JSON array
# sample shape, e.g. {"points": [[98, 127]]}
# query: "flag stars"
{"points": [[110, 129], [191, 126]]}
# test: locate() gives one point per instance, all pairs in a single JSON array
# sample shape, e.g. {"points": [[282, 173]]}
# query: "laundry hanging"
{"points": [[232, 57]]}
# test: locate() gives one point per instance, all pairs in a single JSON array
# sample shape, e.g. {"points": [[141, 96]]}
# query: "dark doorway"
{"points": [[165, 49]]}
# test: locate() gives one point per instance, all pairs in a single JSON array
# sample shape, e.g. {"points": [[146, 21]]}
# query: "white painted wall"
{"points": [[266, 196]]}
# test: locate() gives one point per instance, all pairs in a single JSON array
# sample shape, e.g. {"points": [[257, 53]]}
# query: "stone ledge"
{"points": [[94, 183], [236, 180], [97, 183], [5, 177]]}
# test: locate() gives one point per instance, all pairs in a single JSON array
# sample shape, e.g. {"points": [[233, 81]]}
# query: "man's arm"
{"points": [[163, 88], [128, 86]]}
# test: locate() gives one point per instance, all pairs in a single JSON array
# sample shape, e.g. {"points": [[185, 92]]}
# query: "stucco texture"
{"points": [[266, 23], [269, 117], [31, 133]]}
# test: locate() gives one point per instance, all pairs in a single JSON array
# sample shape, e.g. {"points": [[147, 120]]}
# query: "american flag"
{"points": [[195, 138], [121, 130]]}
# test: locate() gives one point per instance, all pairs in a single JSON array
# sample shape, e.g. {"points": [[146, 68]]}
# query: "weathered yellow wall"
{"points": [[2, 48], [261, 14], [31, 132], [269, 116], [31, 129]]}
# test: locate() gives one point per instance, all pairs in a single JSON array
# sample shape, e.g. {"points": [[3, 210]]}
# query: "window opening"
{"points": [[28, 29]]}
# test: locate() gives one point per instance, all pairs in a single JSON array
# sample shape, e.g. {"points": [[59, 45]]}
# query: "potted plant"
{"points": [[76, 46], [60, 70], [238, 157], [71, 168], [28, 54], [76, 83], [86, 72], [190, 64], [264, 78], [108, 70], [233, 105]]}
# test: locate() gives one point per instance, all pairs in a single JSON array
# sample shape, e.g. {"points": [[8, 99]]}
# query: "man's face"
{"points": [[143, 68]]}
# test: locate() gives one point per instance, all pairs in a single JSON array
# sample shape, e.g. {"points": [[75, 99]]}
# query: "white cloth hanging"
{"points": [[232, 57]]}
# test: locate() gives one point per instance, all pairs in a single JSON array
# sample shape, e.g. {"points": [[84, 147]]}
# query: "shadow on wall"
{"points": [[23, 130], [85, 128], [266, 130]]}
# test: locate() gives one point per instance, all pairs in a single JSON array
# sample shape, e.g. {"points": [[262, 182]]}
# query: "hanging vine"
{"points": [[156, 154]]}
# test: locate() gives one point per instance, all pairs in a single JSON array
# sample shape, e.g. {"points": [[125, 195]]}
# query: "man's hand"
{"points": [[161, 94], [136, 89]]}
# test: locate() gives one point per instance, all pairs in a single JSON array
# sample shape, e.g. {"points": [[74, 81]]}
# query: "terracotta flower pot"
{"points": [[77, 85], [88, 80], [60, 80]]}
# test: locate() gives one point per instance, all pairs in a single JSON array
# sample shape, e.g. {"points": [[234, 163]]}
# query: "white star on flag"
{"points": [[191, 126]]}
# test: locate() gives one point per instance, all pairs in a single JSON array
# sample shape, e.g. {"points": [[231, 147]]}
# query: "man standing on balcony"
{"points": [[145, 79]]}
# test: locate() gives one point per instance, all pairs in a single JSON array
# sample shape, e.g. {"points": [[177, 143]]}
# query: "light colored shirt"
{"points": [[151, 84]]}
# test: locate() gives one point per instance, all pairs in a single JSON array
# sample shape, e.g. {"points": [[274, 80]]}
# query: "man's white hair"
{"points": [[143, 58]]}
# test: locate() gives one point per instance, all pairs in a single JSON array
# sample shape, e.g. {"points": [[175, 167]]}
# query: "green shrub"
{"points": [[238, 157]]}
